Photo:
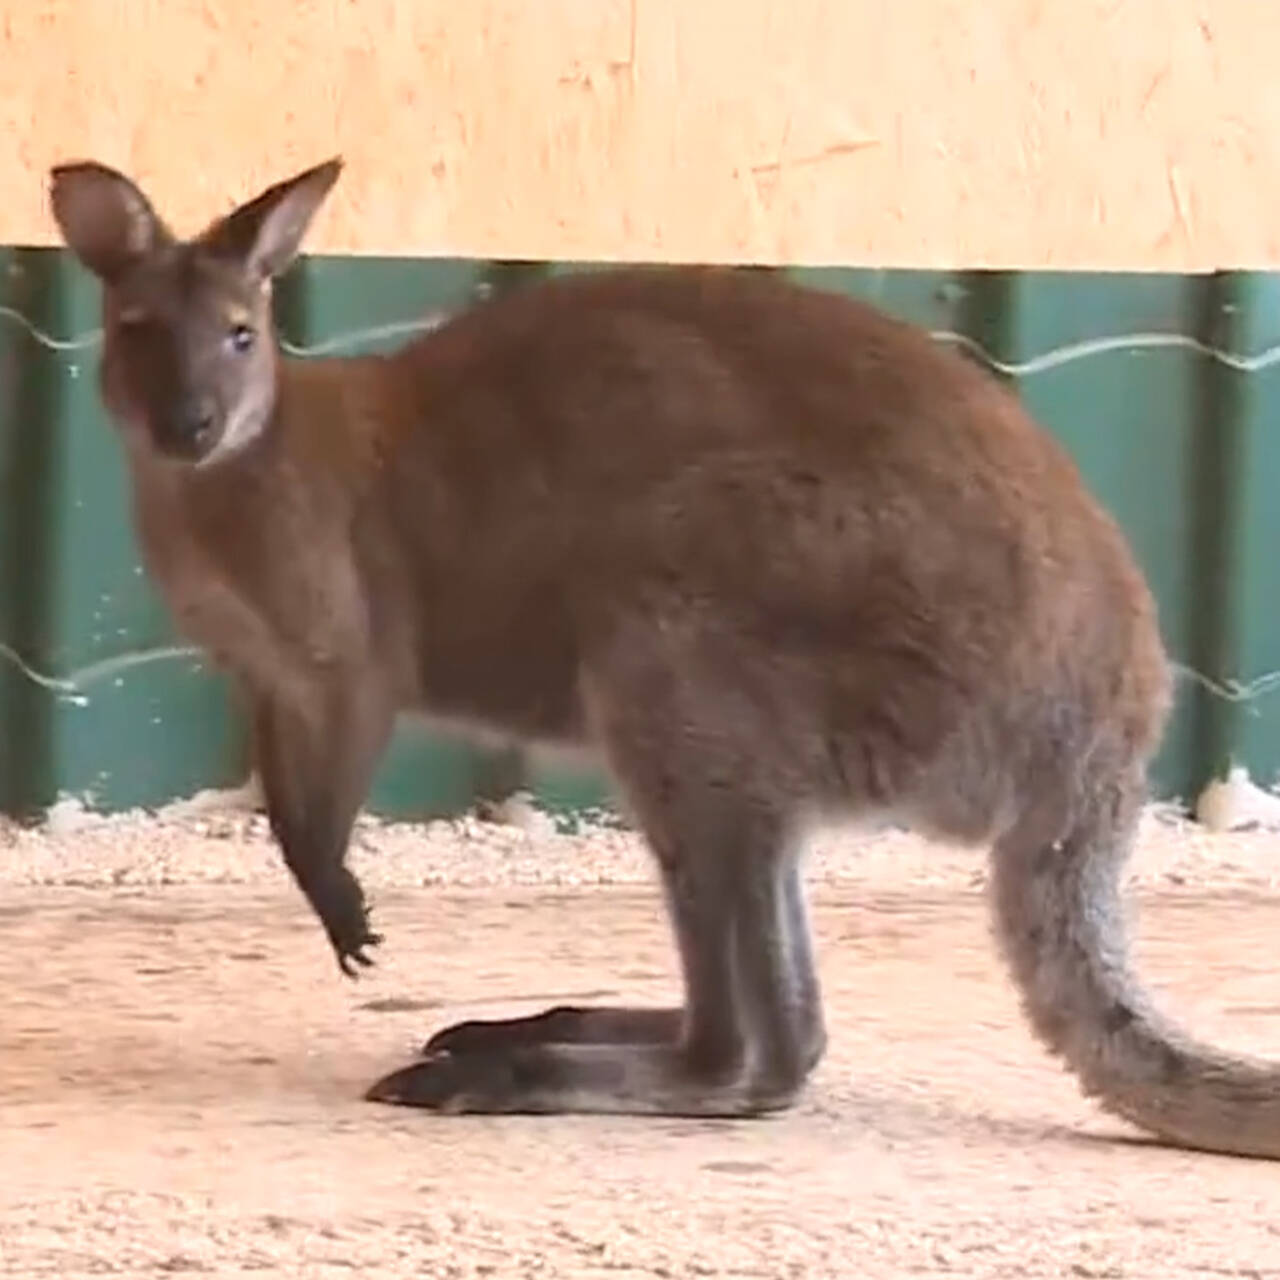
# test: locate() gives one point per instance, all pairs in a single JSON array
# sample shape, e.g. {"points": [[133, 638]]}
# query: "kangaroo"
{"points": [[773, 556]]}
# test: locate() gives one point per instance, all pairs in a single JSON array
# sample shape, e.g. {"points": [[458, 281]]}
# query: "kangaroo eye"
{"points": [[241, 338]]}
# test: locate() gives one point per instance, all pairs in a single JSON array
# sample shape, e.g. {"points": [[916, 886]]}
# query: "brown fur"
{"points": [[772, 554]]}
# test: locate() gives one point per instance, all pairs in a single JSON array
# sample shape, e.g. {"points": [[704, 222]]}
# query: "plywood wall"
{"points": [[1028, 133]]}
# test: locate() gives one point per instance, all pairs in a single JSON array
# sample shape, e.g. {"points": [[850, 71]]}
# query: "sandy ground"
{"points": [[182, 1066]]}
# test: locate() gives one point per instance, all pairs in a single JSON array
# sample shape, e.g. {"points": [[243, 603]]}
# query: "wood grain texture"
{"points": [[1020, 133]]}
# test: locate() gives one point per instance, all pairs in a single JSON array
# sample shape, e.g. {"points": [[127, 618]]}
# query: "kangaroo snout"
{"points": [[194, 428]]}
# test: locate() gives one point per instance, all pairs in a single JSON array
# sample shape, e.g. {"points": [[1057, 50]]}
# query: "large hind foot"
{"points": [[541, 1079], [563, 1024]]}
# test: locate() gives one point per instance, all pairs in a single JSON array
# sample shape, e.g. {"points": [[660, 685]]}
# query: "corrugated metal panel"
{"points": [[101, 701], [1161, 386]]}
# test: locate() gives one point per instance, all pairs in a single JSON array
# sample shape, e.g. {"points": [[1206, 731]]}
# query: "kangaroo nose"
{"points": [[197, 419]]}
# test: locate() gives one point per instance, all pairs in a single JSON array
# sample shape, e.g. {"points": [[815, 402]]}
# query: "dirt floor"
{"points": [[182, 1067]]}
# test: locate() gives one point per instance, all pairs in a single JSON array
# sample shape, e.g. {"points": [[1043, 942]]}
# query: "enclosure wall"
{"points": [[922, 148], [1164, 387]]}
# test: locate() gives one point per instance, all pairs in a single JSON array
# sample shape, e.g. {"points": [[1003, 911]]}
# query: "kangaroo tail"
{"points": [[1056, 888]]}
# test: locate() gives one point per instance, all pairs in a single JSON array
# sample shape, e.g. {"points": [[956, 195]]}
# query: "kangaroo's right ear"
{"points": [[105, 219]]}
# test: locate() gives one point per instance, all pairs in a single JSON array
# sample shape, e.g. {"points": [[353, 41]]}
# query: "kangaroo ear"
{"points": [[104, 218], [266, 233]]}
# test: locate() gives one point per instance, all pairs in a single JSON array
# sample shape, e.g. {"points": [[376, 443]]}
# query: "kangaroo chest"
{"points": [[271, 609]]}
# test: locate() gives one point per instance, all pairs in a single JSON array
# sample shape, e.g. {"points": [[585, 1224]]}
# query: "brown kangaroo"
{"points": [[773, 555]]}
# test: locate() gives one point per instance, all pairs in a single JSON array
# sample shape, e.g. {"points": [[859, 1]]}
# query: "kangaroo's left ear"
{"points": [[266, 233]]}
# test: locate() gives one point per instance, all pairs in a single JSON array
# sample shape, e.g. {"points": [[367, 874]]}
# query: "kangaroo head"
{"points": [[189, 350]]}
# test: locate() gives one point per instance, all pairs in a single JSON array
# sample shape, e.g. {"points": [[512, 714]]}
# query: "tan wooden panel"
{"points": [[1084, 133]]}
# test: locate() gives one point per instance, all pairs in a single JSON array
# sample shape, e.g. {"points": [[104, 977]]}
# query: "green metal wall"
{"points": [[1162, 386]]}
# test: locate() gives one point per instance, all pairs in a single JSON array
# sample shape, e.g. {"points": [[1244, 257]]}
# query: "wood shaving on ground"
{"points": [[221, 838]]}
